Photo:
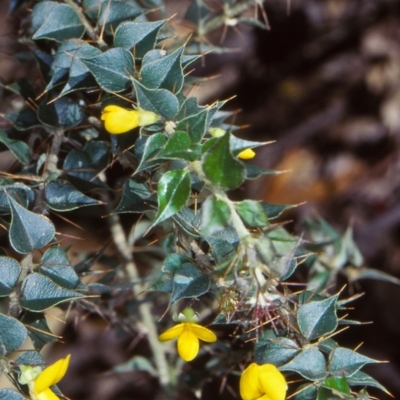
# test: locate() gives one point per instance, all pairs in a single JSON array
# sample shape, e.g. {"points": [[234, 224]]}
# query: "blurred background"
{"points": [[323, 82]]}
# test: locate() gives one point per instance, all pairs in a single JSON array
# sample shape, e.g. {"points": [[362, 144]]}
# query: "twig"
{"points": [[89, 30], [145, 311]]}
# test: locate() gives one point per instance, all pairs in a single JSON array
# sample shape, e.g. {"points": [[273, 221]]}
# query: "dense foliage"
{"points": [[169, 161]]}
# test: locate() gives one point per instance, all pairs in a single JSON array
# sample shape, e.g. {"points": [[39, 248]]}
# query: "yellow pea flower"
{"points": [[262, 382], [246, 154], [120, 120], [188, 335], [39, 382]]}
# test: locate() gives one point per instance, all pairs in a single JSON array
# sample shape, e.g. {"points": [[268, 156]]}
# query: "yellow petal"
{"points": [[201, 332], [51, 375], [249, 383], [188, 345], [171, 333], [119, 120], [48, 394], [272, 382], [247, 154]]}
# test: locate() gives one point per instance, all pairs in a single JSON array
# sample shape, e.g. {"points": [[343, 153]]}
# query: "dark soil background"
{"points": [[324, 83]]}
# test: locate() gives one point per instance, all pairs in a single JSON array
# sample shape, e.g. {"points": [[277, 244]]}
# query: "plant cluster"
{"points": [[114, 94]]}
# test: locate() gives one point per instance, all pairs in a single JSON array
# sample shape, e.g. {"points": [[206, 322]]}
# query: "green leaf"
{"points": [[189, 282], [38, 330], [306, 392], [30, 357], [40, 293], [10, 270], [173, 191], [139, 36], [275, 210], [152, 147], [23, 120], [17, 191], [224, 244], [17, 147], [317, 318], [136, 198], [254, 172], [362, 379], [215, 216], [12, 334], [346, 362], [60, 23], [355, 274], [28, 231], [160, 101], [62, 196], [55, 264], [271, 349], [188, 221], [112, 13], [195, 125], [62, 113], [327, 345], [67, 66], [237, 145], [309, 363], [163, 73], [113, 69], [83, 166], [339, 384], [171, 264], [8, 394], [221, 167], [331, 394], [252, 213], [178, 147]]}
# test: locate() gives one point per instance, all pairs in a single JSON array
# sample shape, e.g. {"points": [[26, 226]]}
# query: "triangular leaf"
{"points": [[221, 167], [164, 73], [160, 101], [310, 364], [10, 270], [136, 198], [61, 23], [62, 196], [19, 148], [173, 191], [55, 264], [28, 231], [189, 282], [139, 36], [113, 70], [346, 362], [40, 293], [318, 318], [12, 334]]}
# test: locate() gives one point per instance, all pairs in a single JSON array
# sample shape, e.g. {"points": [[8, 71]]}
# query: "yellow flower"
{"points": [[120, 120], [262, 382], [39, 382], [188, 335], [247, 154]]}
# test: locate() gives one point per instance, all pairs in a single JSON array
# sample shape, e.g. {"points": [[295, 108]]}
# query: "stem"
{"points": [[89, 29], [52, 158], [145, 311], [229, 12], [51, 167], [237, 223]]}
